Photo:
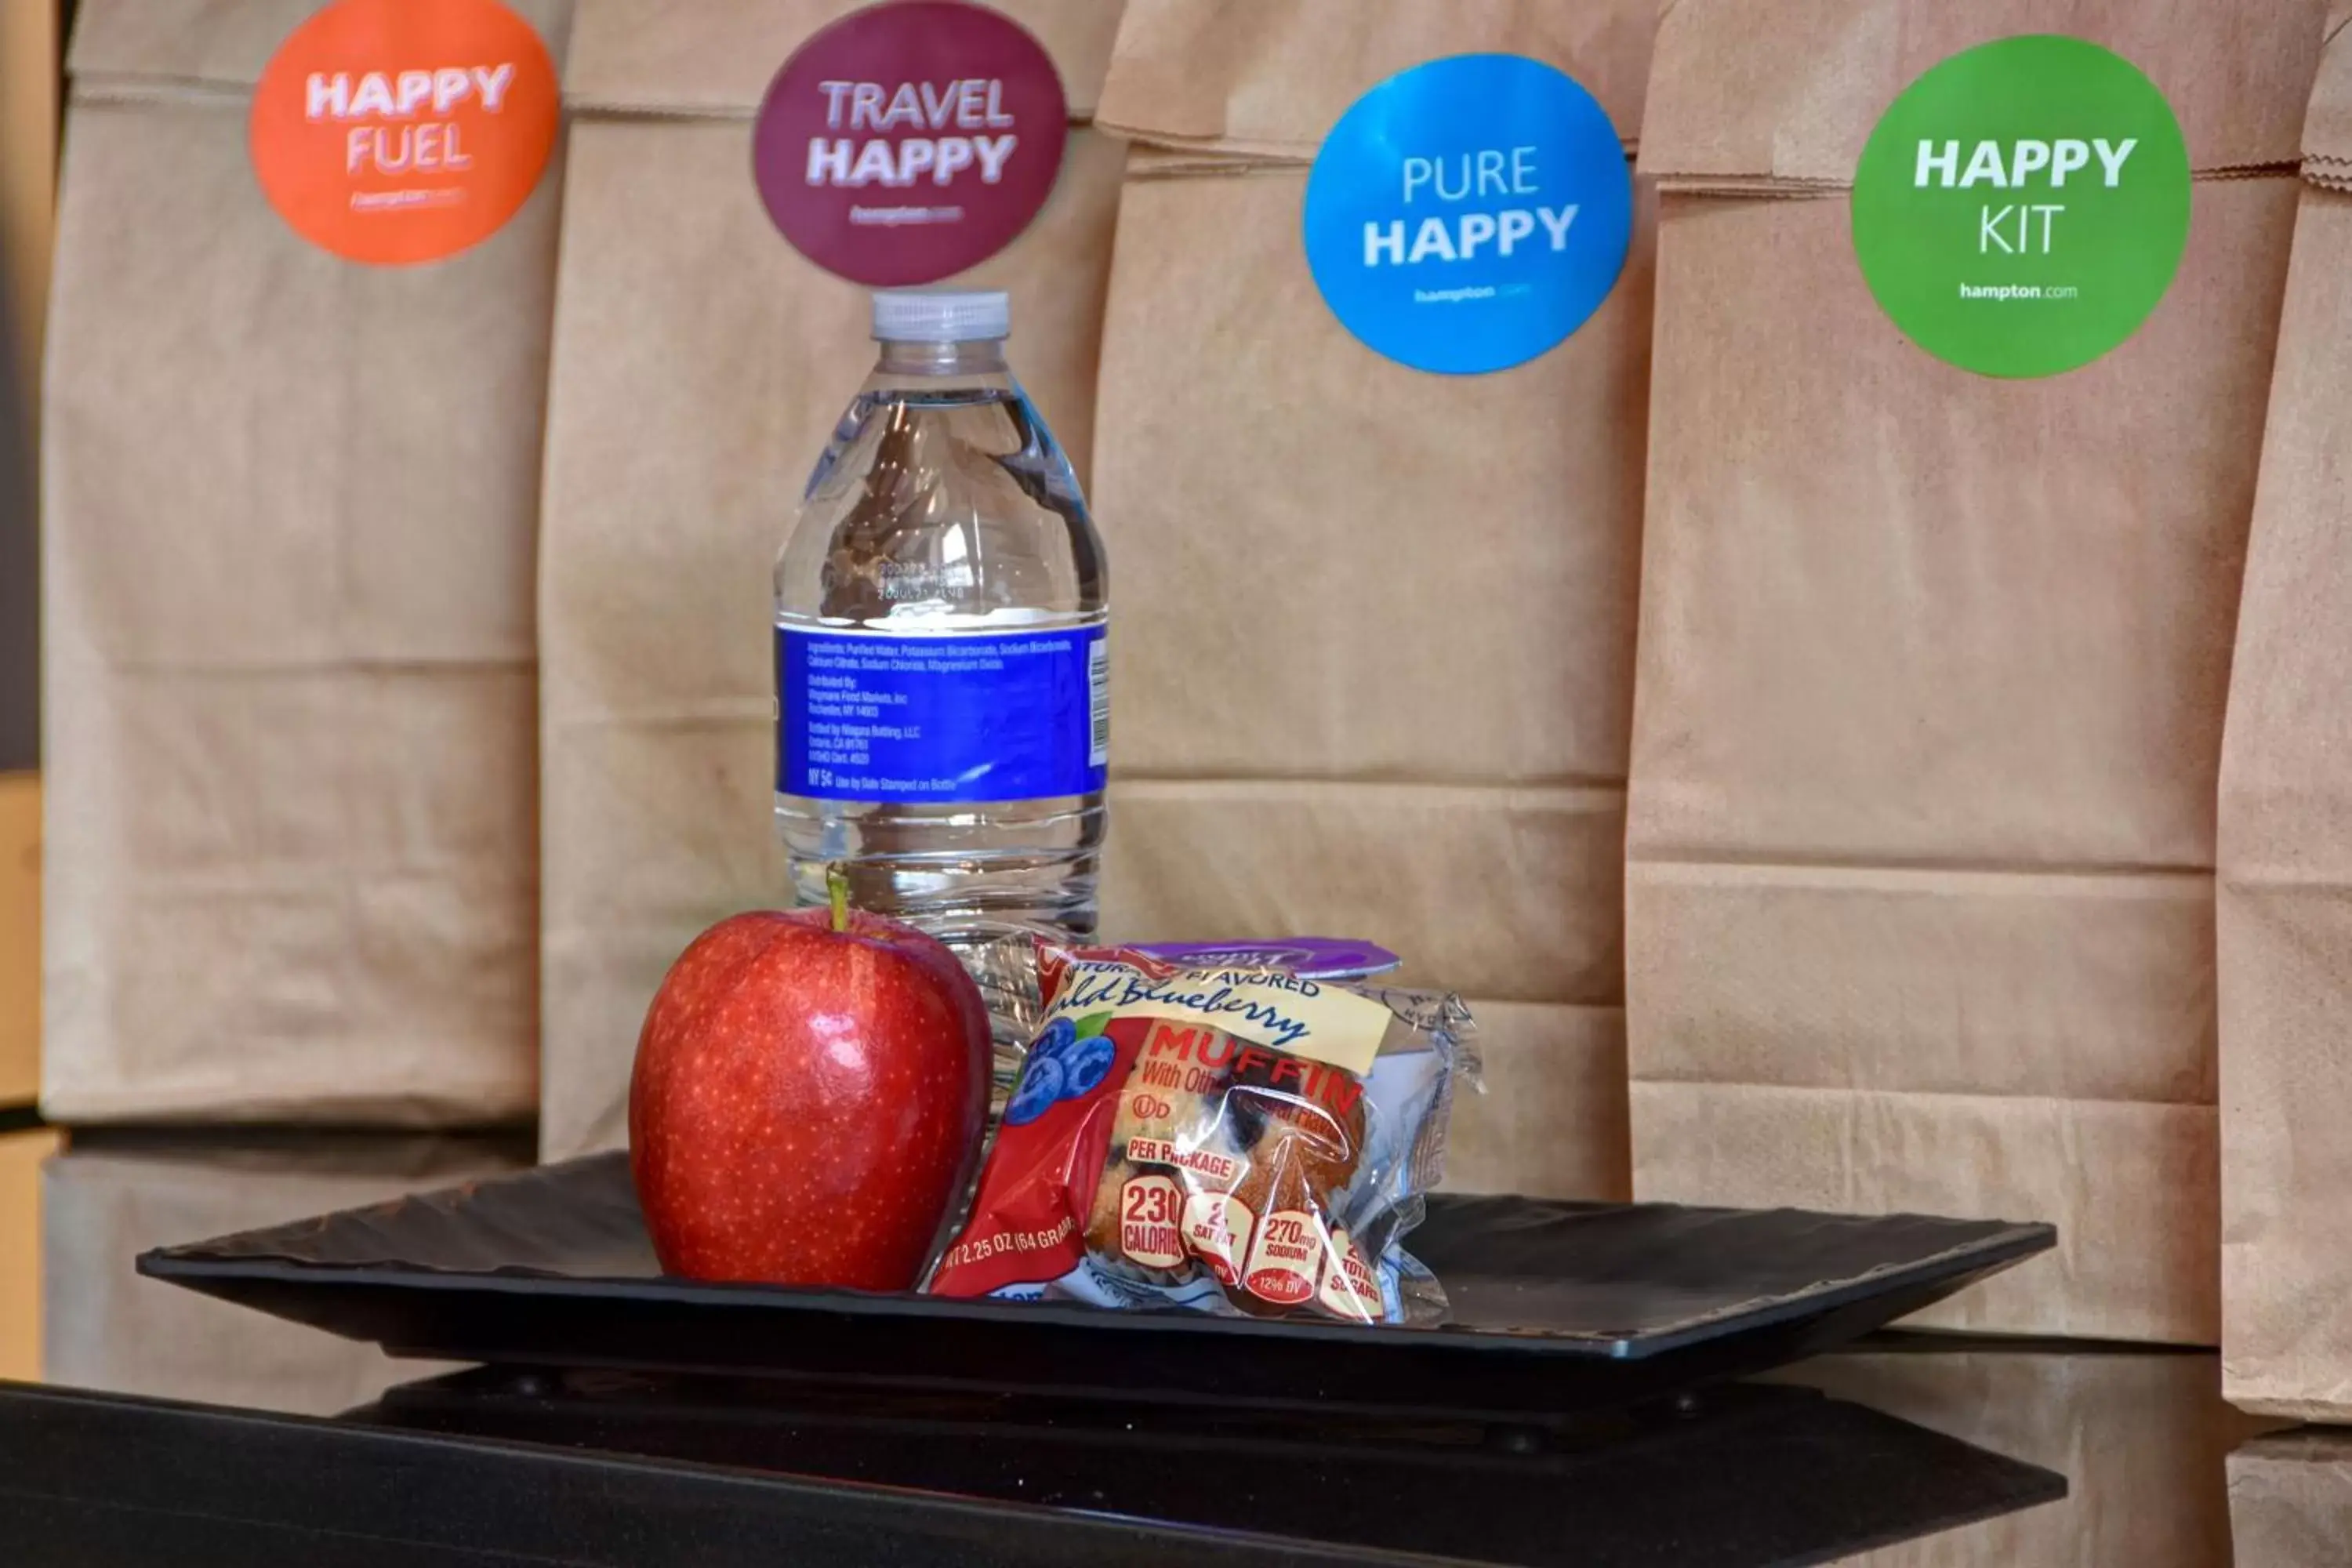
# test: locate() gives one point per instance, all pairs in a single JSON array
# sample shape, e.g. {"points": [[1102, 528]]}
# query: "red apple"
{"points": [[808, 1100]]}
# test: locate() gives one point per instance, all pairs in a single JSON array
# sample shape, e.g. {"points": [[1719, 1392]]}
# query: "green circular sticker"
{"points": [[2024, 205]]}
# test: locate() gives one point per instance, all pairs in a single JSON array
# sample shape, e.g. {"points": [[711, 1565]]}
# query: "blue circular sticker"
{"points": [[1469, 214]]}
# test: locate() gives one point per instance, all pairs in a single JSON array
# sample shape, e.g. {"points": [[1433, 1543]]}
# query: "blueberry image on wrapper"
{"points": [[1041, 1085], [1058, 1036], [1084, 1064]]}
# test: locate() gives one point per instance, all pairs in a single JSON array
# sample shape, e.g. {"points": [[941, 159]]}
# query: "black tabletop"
{"points": [[229, 1436], [493, 1466]]}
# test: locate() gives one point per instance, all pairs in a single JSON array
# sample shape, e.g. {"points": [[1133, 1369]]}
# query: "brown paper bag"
{"points": [[2290, 1500], [288, 528], [20, 938], [2139, 1438], [1551, 1122], [700, 363], [1375, 630], [21, 1154], [1919, 907], [106, 1201], [2286, 902]]}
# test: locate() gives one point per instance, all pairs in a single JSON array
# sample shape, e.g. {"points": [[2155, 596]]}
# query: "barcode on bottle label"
{"points": [[1099, 701]]}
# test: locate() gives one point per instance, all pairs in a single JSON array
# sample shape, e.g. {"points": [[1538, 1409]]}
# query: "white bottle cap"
{"points": [[941, 316]]}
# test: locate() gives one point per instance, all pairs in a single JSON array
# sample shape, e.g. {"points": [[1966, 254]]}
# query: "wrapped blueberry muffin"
{"points": [[1236, 1139]]}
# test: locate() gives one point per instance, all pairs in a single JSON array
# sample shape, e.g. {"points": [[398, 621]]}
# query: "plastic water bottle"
{"points": [[943, 717]]}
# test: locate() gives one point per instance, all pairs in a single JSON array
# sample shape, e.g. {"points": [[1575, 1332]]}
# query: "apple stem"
{"points": [[836, 885]]}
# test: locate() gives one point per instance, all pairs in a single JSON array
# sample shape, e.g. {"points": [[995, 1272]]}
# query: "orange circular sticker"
{"points": [[395, 132]]}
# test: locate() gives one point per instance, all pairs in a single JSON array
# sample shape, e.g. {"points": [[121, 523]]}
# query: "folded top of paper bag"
{"points": [[1791, 95], [1269, 77]]}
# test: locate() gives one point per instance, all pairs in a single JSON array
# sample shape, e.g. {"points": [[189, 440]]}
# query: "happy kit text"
{"points": [[2020, 228]]}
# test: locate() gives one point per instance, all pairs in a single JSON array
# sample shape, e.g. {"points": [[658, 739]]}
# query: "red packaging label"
{"points": [[1350, 1288], [1217, 1231], [1286, 1259], [1149, 1232], [1040, 1183]]}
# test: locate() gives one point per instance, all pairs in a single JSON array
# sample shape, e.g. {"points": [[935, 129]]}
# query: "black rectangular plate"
{"points": [[1556, 1307]]}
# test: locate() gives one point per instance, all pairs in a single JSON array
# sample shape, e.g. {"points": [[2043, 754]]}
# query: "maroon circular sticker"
{"points": [[910, 141]]}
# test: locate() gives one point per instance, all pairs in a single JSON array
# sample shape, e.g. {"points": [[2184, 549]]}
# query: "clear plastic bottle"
{"points": [[942, 669]]}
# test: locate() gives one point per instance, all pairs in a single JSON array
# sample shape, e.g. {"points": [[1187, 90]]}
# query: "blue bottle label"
{"points": [[917, 720]]}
